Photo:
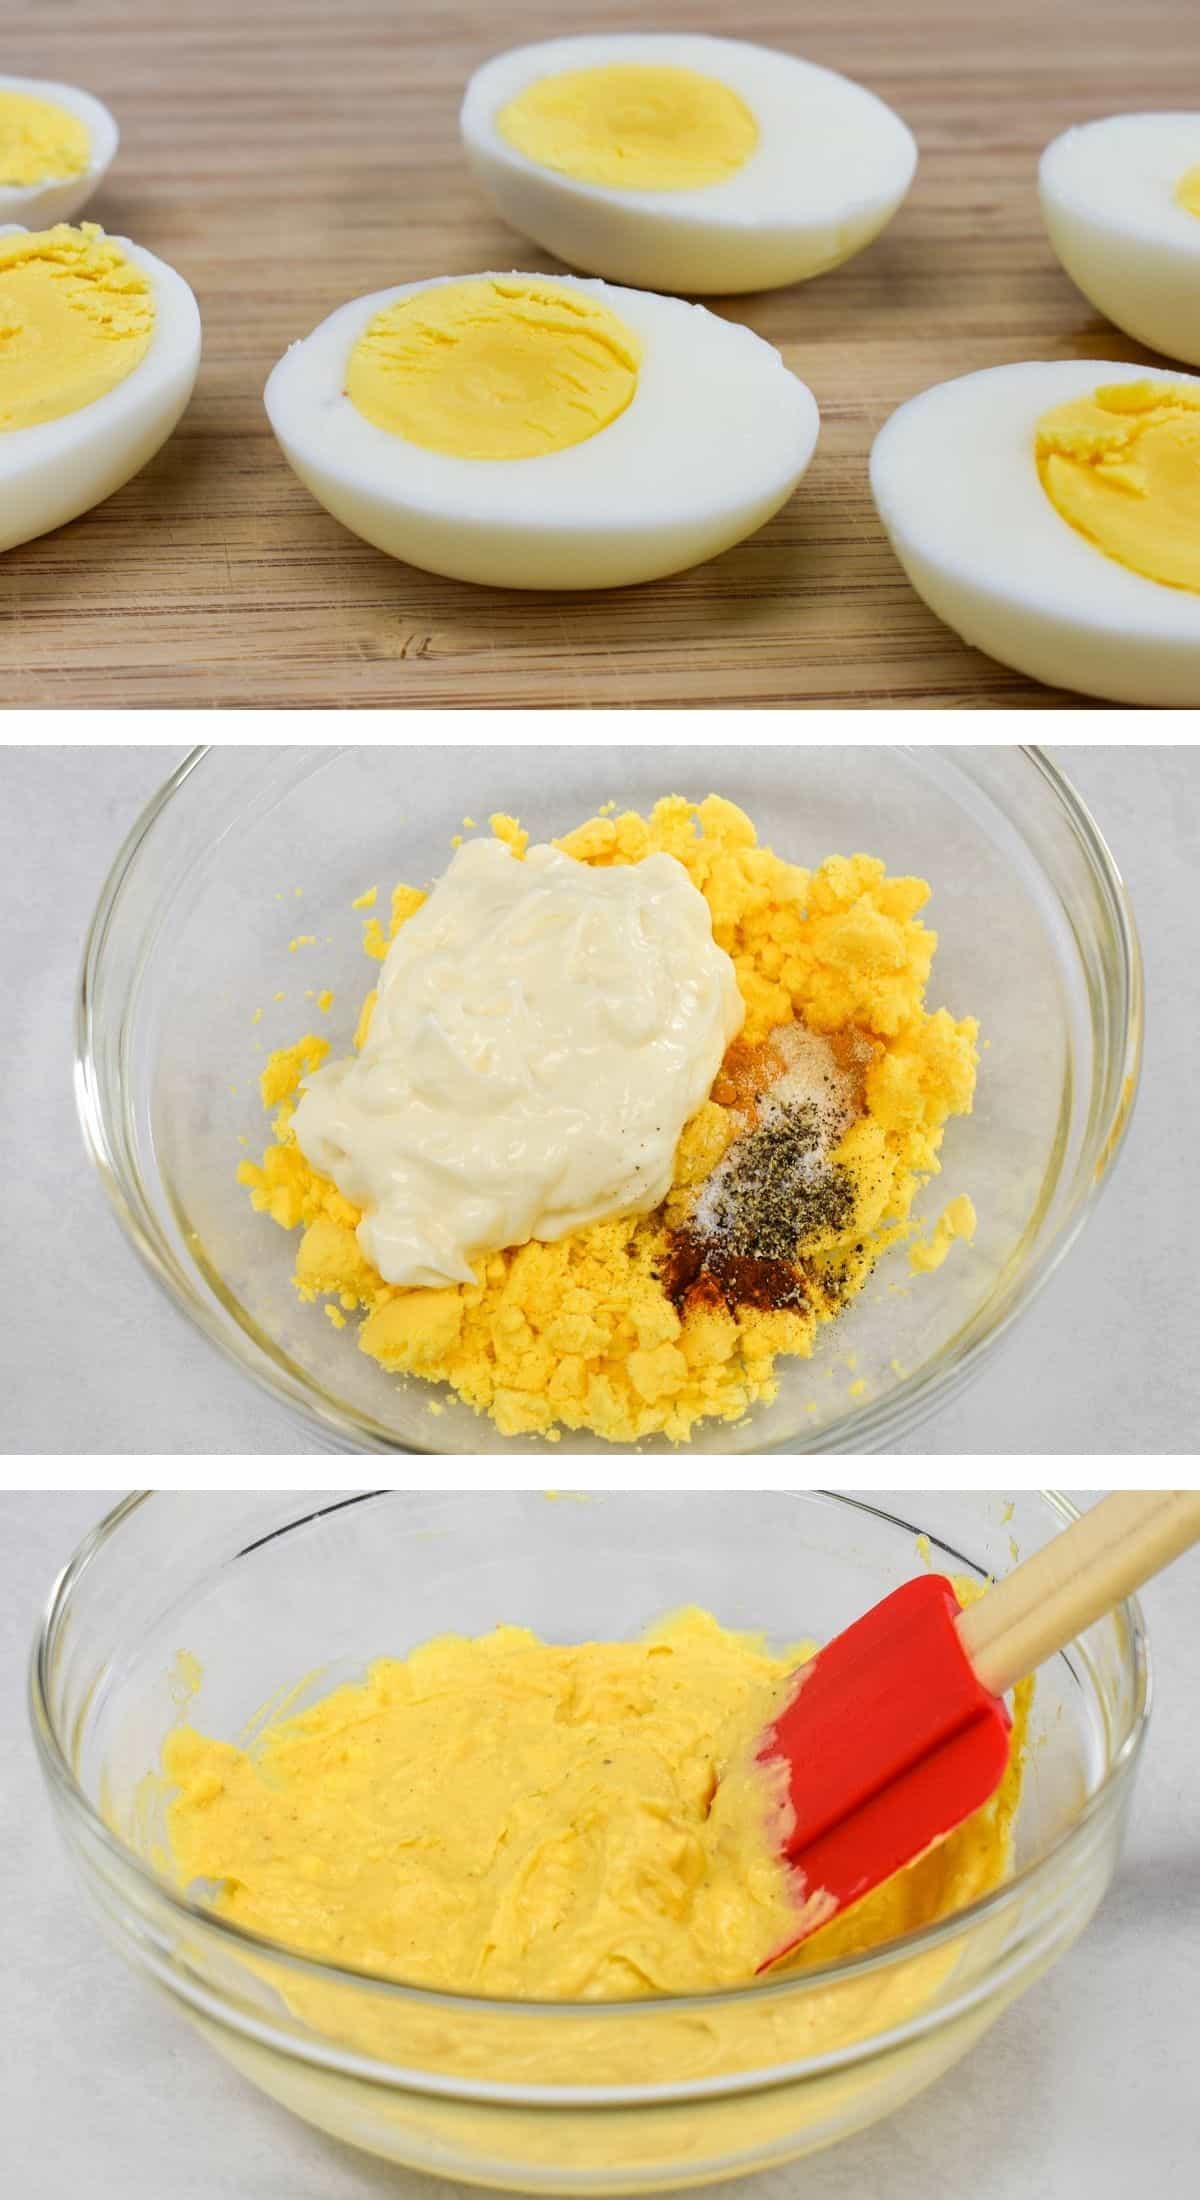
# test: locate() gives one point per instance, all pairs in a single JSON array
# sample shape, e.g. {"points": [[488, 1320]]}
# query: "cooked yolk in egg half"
{"points": [[1123, 468], [75, 318], [494, 368], [633, 126], [39, 141], [1187, 191]]}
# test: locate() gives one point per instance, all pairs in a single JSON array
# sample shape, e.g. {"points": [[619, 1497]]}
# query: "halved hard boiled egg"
{"points": [[538, 431], [101, 342], [1050, 514], [56, 143], [1121, 203], [685, 163]]}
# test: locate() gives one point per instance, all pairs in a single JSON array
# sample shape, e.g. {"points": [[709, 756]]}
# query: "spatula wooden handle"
{"points": [[1045, 1602]]}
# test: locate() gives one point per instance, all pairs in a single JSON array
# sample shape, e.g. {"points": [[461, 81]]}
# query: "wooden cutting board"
{"points": [[287, 155]]}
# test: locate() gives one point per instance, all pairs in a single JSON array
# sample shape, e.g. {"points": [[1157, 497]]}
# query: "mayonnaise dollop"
{"points": [[542, 1031]]}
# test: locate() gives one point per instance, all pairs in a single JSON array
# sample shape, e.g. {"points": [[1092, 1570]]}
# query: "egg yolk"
{"points": [[39, 141], [507, 1816], [498, 367], [637, 127], [1187, 191], [1122, 467], [76, 317]]}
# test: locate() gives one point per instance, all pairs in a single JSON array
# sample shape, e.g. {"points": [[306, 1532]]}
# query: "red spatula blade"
{"points": [[890, 1741]]}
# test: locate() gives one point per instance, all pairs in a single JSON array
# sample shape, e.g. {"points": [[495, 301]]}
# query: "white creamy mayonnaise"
{"points": [[542, 1032]]}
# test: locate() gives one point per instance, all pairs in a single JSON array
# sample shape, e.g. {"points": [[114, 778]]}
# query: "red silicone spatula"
{"points": [[898, 1729]]}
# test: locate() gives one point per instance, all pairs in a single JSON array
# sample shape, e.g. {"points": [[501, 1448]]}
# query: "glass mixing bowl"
{"points": [[578, 2098], [188, 954]]}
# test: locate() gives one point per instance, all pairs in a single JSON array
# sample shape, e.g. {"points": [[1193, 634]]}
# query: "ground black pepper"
{"points": [[774, 1194], [778, 1191]]}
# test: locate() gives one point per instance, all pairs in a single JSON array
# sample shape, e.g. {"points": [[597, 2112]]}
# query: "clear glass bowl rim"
{"points": [[1105, 1796], [875, 1423]]}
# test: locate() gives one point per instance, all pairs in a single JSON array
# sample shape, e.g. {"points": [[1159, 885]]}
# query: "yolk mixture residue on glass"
{"points": [[40, 142], [1187, 191], [76, 317], [1122, 467], [497, 367], [634, 126], [507, 1817], [956, 1221], [582, 1333]]}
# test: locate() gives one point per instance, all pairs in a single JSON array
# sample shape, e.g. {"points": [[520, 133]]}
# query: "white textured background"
{"points": [[1085, 2090], [92, 1358]]}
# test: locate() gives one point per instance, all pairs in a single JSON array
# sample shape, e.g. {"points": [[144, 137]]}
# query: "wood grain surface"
{"points": [[287, 155]]}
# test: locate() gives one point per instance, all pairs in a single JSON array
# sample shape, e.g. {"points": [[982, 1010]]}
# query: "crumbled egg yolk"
{"points": [[498, 367], [580, 1333], [1187, 191], [40, 142], [76, 317], [955, 1222], [634, 126], [1122, 467]]}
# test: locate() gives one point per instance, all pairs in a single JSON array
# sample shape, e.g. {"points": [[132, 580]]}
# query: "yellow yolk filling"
{"points": [[638, 127], [508, 1817], [1187, 191], [498, 367], [580, 1333], [76, 317], [1122, 467], [40, 142]]}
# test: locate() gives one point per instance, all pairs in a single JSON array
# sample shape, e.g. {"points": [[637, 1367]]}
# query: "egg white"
{"points": [[52, 472], [831, 166], [713, 441], [40, 205], [955, 482], [1107, 193]]}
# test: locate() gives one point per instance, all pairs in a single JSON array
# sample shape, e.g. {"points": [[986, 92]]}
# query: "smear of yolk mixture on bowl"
{"points": [[512, 1818], [607, 1330]]}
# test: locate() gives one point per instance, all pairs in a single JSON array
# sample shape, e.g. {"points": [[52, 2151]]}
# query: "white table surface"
{"points": [[1108, 1363], [1085, 2090]]}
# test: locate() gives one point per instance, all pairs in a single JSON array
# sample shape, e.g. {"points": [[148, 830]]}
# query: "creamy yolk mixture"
{"points": [[76, 317], [508, 1817], [582, 1333], [1187, 191], [498, 367], [1122, 467], [636, 126], [40, 142]]}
